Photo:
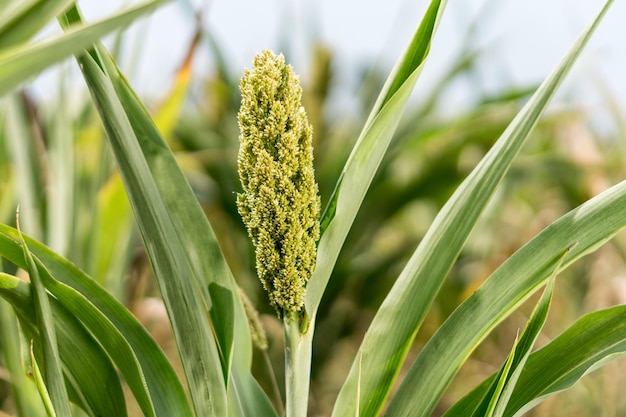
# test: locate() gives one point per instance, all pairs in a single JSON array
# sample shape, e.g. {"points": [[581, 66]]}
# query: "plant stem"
{"points": [[297, 366]]}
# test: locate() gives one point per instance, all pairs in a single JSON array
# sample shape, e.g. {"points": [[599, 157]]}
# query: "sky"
{"points": [[522, 40]]}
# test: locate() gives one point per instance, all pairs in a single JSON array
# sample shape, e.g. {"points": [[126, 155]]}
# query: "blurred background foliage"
{"points": [[56, 165]]}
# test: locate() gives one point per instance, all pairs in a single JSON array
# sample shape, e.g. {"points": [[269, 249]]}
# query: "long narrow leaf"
{"points": [[593, 341], [520, 353], [354, 182], [367, 154], [81, 355], [41, 386], [197, 239], [523, 349], [27, 400], [48, 341], [27, 19], [162, 193], [589, 225], [490, 401], [398, 319], [144, 366], [19, 64], [198, 242], [187, 311]]}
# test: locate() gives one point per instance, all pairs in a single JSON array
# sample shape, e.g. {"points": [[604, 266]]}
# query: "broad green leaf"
{"points": [[180, 291], [367, 154], [593, 341], [198, 242], [24, 393], [182, 246], [198, 259], [355, 179], [81, 355], [589, 225], [26, 18], [400, 316], [18, 64], [142, 362], [47, 338], [369, 380], [495, 402]]}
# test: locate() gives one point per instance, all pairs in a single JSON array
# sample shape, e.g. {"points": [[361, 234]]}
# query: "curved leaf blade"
{"points": [[26, 19], [81, 356], [53, 375], [154, 382], [180, 292], [367, 154], [590, 226], [366, 377], [400, 316], [20, 63], [591, 342], [182, 247], [510, 372]]}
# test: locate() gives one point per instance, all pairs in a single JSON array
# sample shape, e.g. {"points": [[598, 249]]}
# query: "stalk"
{"points": [[297, 366]]}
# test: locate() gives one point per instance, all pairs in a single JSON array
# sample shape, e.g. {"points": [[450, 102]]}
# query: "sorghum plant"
{"points": [[74, 329]]}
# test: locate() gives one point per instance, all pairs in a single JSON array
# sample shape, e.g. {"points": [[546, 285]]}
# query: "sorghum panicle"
{"points": [[279, 205]]}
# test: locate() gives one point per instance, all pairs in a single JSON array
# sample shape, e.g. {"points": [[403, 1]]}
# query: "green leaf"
{"points": [[140, 360], [20, 63], [181, 244], [490, 401], [398, 319], [53, 375], [222, 299], [590, 225], [24, 393], [197, 240], [180, 291], [527, 341], [371, 381], [80, 353], [494, 403], [247, 397], [591, 342], [25, 18], [367, 154]]}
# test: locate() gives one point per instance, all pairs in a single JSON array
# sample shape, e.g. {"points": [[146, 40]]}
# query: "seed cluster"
{"points": [[279, 205]]}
